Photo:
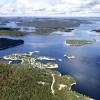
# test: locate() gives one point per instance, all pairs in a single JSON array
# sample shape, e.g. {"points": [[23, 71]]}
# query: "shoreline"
{"points": [[72, 85]]}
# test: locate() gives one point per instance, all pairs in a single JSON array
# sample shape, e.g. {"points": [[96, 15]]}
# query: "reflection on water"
{"points": [[84, 68]]}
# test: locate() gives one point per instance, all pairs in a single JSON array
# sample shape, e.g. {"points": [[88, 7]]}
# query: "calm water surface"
{"points": [[85, 68]]}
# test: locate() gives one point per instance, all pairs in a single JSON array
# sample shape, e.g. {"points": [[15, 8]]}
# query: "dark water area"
{"points": [[85, 68], [44, 61], [6, 43], [16, 62]]}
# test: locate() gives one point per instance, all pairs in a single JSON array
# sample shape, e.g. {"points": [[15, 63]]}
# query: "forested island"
{"points": [[77, 42]]}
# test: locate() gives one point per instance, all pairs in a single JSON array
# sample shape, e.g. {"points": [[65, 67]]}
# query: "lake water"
{"points": [[85, 68]]}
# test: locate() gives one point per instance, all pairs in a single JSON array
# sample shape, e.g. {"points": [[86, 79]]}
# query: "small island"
{"points": [[69, 56], [78, 42]]}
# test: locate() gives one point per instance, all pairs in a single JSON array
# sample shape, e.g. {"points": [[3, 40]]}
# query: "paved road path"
{"points": [[52, 85]]}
